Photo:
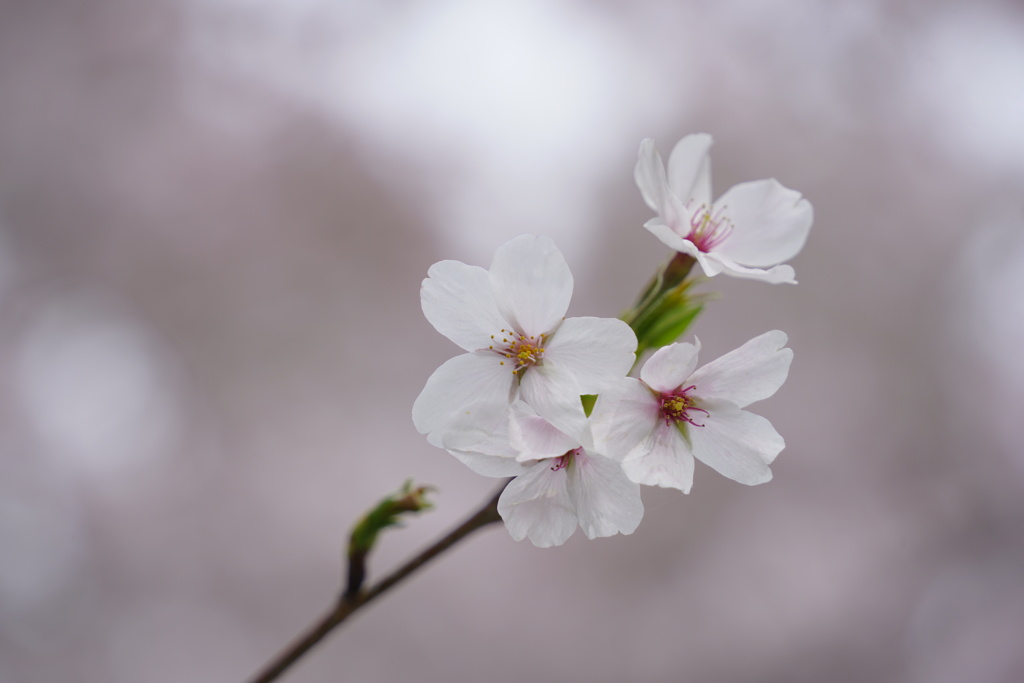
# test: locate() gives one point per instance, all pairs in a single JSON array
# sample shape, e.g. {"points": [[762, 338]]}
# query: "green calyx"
{"points": [[667, 308]]}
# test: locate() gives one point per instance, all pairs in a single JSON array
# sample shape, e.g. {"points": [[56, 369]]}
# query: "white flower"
{"points": [[657, 425], [564, 483], [510, 321], [752, 227]]}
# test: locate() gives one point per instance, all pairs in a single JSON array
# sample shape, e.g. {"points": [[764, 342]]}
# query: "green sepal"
{"points": [[667, 317], [667, 327], [588, 401]]}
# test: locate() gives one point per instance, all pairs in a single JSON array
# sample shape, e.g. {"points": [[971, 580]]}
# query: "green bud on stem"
{"points": [[386, 513]]}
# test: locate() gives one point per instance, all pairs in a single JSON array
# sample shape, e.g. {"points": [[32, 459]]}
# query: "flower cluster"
{"points": [[515, 404]]}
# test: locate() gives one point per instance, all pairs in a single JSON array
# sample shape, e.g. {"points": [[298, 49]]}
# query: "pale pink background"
{"points": [[214, 218]]}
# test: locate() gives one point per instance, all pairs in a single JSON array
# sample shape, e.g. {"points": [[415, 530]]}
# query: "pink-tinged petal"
{"points": [[536, 505], [490, 465], [667, 463], [535, 438], [649, 175], [752, 372], [464, 401], [670, 238], [770, 222], [776, 275], [670, 366], [595, 351], [736, 444], [532, 284], [606, 501], [625, 415], [457, 301], [689, 170]]}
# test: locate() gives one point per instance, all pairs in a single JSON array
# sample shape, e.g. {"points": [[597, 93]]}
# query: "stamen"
{"points": [[708, 230], [677, 405], [698, 218], [522, 350], [563, 461]]}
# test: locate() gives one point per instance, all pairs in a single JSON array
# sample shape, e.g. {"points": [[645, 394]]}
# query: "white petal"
{"points": [[532, 284], [457, 301], [689, 170], [554, 394], [667, 463], [535, 438], [656, 190], [536, 505], [781, 274], [710, 262], [490, 465], [670, 238], [670, 366], [737, 444], [752, 372], [595, 351], [626, 413], [649, 175], [606, 501], [770, 223], [495, 442], [464, 401]]}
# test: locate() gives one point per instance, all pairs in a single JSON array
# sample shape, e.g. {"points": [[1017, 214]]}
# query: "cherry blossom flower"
{"points": [[658, 424], [510, 321], [750, 229], [564, 482]]}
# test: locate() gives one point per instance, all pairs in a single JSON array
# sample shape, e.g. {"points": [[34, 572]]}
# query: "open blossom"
{"points": [[745, 233], [561, 481], [659, 423], [510, 321]]}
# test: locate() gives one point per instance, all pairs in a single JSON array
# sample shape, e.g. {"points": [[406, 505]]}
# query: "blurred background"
{"points": [[214, 219]]}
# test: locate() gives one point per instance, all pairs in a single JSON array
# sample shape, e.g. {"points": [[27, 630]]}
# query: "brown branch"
{"points": [[347, 605]]}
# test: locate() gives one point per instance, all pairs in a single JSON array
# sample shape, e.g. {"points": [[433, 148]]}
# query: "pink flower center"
{"points": [[708, 230], [522, 351], [677, 405], [563, 461]]}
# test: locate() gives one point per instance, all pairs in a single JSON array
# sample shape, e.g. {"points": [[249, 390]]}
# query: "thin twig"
{"points": [[346, 606]]}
